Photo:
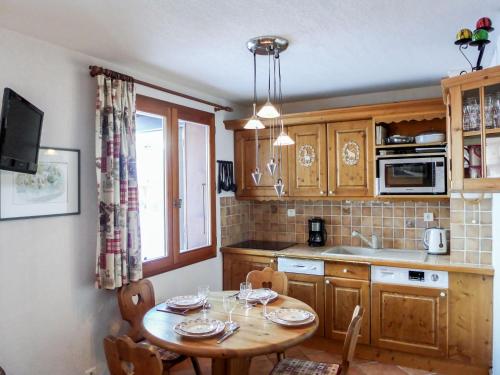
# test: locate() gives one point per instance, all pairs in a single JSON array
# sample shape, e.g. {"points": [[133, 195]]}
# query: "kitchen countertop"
{"points": [[432, 262]]}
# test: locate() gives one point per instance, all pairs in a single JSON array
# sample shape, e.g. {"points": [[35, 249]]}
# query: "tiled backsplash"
{"points": [[471, 231], [234, 220], [398, 224]]}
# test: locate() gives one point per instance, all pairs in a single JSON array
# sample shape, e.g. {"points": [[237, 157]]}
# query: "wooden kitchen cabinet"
{"points": [[237, 266], [309, 289], [341, 297], [410, 319], [473, 120], [244, 160], [307, 160], [350, 158]]}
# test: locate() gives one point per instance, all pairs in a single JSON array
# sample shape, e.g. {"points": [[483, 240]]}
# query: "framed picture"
{"points": [[53, 191]]}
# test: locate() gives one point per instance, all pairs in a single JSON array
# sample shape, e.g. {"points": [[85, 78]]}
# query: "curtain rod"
{"points": [[96, 70]]}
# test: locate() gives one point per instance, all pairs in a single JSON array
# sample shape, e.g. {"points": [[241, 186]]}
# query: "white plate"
{"points": [[293, 315], [272, 317], [256, 293], [199, 328], [184, 301]]}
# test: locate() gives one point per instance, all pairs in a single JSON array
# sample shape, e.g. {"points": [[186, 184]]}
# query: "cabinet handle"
{"points": [[442, 294], [327, 281], [272, 261], [345, 270], [322, 192], [330, 192]]}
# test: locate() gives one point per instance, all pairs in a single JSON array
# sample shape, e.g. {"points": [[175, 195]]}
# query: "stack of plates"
{"points": [[184, 302], [256, 294], [200, 328], [291, 317]]}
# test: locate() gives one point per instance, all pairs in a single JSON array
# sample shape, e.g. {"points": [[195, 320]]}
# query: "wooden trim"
{"points": [[434, 105], [172, 112]]}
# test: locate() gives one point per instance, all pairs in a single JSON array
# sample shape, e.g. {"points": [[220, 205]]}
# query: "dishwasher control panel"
{"points": [[409, 276], [304, 266]]}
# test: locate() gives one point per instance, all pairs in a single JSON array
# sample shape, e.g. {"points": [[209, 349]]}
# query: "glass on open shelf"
{"points": [[492, 156], [471, 110]]}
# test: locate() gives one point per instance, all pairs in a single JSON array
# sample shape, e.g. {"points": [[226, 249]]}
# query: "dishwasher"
{"points": [[409, 310]]}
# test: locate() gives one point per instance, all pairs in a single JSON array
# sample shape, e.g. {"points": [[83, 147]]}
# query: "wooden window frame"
{"points": [[172, 113]]}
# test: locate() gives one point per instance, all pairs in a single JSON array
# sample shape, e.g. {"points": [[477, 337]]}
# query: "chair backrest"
{"points": [[351, 338], [268, 278], [134, 301], [123, 355]]}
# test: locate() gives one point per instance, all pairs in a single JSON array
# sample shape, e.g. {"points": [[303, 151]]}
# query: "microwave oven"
{"points": [[413, 175]]}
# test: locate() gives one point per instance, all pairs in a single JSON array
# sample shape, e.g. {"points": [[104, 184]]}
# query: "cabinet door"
{"points": [[410, 319], [244, 160], [309, 289], [307, 161], [236, 267], [341, 297], [350, 158]]}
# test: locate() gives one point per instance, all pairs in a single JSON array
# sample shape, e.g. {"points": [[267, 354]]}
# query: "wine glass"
{"points": [[229, 304], [496, 111], [489, 111], [203, 291], [264, 298], [245, 291]]}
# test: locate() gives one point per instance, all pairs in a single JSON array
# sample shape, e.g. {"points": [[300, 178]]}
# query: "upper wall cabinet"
{"points": [[244, 158], [308, 161], [473, 102], [350, 158]]}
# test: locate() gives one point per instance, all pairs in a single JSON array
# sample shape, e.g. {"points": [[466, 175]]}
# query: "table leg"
{"points": [[231, 366]]}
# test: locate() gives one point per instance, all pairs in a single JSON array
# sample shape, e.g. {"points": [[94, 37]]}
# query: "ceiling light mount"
{"points": [[261, 45]]}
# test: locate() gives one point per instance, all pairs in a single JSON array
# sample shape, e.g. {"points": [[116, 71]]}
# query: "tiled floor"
{"points": [[263, 365]]}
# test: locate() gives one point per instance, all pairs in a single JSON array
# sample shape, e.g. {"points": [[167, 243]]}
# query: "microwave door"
{"points": [[407, 176]]}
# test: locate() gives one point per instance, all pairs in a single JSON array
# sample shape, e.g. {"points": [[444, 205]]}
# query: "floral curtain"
{"points": [[118, 234]]}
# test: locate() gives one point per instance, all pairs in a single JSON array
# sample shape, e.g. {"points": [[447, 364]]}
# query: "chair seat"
{"points": [[290, 366], [165, 355]]}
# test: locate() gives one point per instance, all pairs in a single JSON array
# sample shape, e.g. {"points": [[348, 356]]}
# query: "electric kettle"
{"points": [[435, 241]]}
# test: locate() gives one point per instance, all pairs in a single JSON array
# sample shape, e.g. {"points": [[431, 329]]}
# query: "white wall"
{"points": [[52, 320]]}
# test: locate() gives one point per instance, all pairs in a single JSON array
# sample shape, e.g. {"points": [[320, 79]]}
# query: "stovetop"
{"points": [[263, 245]]}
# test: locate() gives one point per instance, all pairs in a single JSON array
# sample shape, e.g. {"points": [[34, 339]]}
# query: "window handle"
{"points": [[204, 209], [178, 203]]}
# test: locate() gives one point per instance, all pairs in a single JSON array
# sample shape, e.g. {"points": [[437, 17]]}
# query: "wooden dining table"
{"points": [[256, 335]]}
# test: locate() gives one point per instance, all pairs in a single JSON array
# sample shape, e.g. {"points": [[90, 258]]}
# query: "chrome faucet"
{"points": [[374, 243]]}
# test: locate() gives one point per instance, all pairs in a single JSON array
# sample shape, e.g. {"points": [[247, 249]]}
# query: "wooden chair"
{"points": [[2, 372], [268, 278], [289, 366], [125, 357], [134, 300]]}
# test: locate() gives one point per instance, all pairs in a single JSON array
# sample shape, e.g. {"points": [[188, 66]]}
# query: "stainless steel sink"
{"points": [[366, 252]]}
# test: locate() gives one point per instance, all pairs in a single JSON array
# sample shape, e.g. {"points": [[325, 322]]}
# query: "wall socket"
{"points": [[91, 371], [428, 216], [291, 212]]}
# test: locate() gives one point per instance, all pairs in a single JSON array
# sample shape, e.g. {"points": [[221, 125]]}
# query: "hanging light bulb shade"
{"points": [[279, 187], [271, 166], [284, 140], [268, 110], [256, 176], [254, 123]]}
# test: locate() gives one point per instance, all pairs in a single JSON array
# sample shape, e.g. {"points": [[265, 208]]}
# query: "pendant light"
{"points": [[254, 122], [272, 165], [268, 110], [283, 138]]}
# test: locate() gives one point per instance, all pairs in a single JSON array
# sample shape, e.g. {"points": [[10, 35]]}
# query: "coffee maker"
{"points": [[317, 232]]}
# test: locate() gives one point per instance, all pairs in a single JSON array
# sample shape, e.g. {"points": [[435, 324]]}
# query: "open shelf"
{"points": [[418, 154], [401, 145]]}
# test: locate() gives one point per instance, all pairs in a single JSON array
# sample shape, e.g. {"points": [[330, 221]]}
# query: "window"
{"points": [[175, 171]]}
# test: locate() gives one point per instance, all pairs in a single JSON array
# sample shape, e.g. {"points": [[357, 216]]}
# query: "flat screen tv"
{"points": [[20, 131]]}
